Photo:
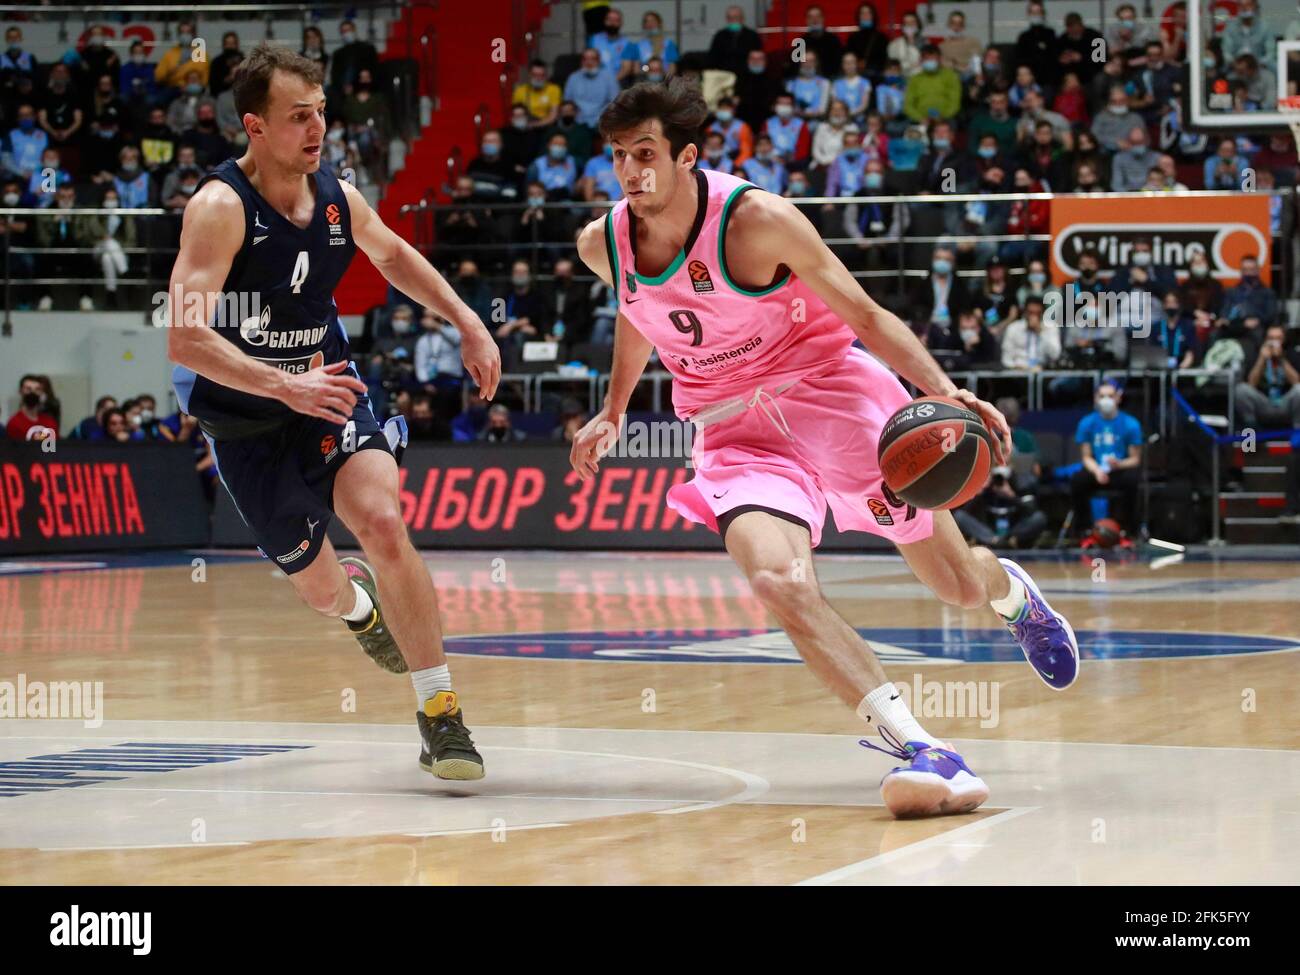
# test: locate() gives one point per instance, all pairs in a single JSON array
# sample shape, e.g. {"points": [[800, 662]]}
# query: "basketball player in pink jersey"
{"points": [[756, 320]]}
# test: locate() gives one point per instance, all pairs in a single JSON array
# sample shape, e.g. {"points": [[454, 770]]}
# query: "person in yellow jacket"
{"points": [[180, 60]]}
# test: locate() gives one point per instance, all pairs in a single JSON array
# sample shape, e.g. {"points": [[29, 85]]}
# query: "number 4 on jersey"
{"points": [[299, 272]]}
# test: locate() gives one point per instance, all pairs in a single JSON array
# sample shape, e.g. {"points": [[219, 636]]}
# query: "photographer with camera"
{"points": [[999, 516]]}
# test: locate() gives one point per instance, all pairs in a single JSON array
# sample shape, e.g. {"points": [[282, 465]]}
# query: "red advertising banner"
{"points": [[86, 497], [470, 496]]}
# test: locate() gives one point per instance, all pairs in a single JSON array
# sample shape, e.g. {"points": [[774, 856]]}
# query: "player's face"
{"points": [[293, 126], [645, 167]]}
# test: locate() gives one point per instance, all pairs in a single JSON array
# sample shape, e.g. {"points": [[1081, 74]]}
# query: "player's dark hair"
{"points": [[678, 105], [252, 84], [29, 377]]}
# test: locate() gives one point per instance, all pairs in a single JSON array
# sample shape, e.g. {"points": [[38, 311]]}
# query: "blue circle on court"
{"points": [[892, 644]]}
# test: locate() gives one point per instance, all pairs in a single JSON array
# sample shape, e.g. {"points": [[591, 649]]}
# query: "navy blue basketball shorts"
{"points": [[282, 482]]}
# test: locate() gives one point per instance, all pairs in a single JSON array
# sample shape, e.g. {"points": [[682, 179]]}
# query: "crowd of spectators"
{"points": [[98, 126]]}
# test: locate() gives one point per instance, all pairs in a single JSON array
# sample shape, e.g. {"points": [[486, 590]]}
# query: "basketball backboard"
{"points": [[1213, 104]]}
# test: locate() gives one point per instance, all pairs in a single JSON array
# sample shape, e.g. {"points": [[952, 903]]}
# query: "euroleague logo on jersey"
{"points": [[333, 217], [700, 280]]}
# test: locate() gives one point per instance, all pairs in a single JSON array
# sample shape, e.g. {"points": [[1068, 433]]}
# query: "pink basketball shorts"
{"points": [[748, 462]]}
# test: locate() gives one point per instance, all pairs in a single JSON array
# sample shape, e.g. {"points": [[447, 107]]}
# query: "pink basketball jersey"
{"points": [[717, 338]]}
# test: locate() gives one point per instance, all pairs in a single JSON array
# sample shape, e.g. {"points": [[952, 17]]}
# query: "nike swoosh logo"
{"points": [[722, 495], [258, 240], [630, 300], [895, 697], [1049, 676]]}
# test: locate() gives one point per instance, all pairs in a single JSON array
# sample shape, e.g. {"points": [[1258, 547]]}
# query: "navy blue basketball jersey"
{"points": [[278, 299]]}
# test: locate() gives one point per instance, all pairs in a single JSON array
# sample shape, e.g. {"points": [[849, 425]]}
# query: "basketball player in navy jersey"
{"points": [[275, 393]]}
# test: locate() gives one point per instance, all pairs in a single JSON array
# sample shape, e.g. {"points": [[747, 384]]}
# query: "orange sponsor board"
{"points": [[1225, 227]]}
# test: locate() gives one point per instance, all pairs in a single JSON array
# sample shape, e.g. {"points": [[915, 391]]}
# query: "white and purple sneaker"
{"points": [[935, 782], [1044, 635]]}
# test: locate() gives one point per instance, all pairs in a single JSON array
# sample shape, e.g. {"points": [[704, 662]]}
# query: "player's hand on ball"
{"points": [[592, 442], [327, 392], [482, 359], [993, 419]]}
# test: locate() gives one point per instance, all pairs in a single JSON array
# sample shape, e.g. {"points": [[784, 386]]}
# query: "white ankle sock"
{"points": [[1010, 605], [360, 611], [429, 682], [884, 708]]}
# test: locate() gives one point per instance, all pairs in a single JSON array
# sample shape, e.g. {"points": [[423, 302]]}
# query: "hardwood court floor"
{"points": [[642, 721]]}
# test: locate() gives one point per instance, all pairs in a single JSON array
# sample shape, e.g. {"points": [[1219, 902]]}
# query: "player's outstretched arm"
{"points": [[631, 353], [211, 234], [412, 275], [767, 231]]}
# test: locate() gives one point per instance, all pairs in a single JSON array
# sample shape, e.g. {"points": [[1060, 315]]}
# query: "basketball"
{"points": [[935, 453]]}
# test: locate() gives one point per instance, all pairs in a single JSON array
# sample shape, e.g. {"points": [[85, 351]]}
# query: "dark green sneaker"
{"points": [[372, 634], [448, 750]]}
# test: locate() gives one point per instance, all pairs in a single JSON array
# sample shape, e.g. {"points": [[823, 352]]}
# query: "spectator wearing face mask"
{"points": [[493, 175], [556, 170], [112, 235], [1031, 342], [765, 168], [972, 343], [1202, 294], [519, 142], [352, 57], [539, 95], [714, 155], [1110, 442], [591, 88], [733, 43], [17, 231], [1250, 297], [940, 299], [1174, 332], [158, 142], [25, 145], [810, 90], [144, 418], [1248, 33], [756, 90], [1129, 168], [1113, 126], [790, 135], [1128, 35], [1036, 46], [136, 78], [891, 91], [224, 63], [817, 40], [869, 43], [179, 63], [49, 179], [498, 429], [945, 167], [1036, 285], [210, 145], [32, 421], [424, 423], [99, 155], [464, 224], [1160, 278], [183, 113], [1033, 110], [61, 114], [737, 136], [828, 140], [15, 60], [525, 314], [934, 92], [906, 47], [846, 176]]}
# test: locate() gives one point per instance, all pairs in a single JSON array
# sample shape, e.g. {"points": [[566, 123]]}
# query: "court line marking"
{"points": [[942, 839], [154, 846], [490, 829], [535, 728]]}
